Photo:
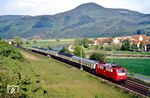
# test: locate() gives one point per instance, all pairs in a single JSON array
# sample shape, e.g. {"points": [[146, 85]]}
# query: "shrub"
{"points": [[98, 56], [65, 50], [49, 47], [78, 51], [83, 41], [18, 41], [125, 45], [134, 47], [9, 51]]}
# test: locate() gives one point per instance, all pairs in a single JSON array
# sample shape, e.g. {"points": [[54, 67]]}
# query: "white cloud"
{"points": [[40, 7]]}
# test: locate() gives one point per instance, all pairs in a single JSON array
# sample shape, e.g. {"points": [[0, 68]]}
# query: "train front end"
{"points": [[121, 75]]}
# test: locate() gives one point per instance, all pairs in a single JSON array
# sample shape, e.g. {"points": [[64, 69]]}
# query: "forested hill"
{"points": [[86, 20]]}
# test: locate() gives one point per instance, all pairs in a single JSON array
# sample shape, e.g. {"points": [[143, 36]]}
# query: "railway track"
{"points": [[131, 86], [137, 87]]}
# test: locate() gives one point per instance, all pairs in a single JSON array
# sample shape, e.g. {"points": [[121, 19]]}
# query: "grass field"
{"points": [[59, 80], [52, 43], [92, 49], [134, 65], [130, 52]]}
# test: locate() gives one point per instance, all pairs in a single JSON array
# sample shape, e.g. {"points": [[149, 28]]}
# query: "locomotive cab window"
{"points": [[104, 68], [121, 71]]}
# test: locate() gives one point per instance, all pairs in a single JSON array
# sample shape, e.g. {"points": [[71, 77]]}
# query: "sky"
{"points": [[50, 7]]}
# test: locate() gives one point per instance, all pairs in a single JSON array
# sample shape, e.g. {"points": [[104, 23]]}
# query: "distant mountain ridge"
{"points": [[86, 20]]}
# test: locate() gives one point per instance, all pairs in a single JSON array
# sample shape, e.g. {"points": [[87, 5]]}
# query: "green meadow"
{"points": [[134, 65], [51, 43]]}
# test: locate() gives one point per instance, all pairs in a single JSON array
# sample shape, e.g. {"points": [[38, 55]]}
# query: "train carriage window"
{"points": [[104, 68], [107, 69], [101, 67], [87, 64], [111, 70]]}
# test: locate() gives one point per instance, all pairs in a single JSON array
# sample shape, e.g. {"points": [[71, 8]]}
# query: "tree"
{"points": [[97, 47], [78, 51], [49, 47], [57, 40], [134, 47], [65, 50], [83, 41], [27, 42], [98, 56], [34, 41], [9, 51], [125, 45], [115, 47], [18, 41], [141, 46]]}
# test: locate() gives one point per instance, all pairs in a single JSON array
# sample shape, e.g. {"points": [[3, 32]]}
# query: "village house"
{"points": [[136, 39], [100, 41], [116, 40], [141, 39]]}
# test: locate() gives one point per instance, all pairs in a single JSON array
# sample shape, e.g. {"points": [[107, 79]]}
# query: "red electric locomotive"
{"points": [[111, 71]]}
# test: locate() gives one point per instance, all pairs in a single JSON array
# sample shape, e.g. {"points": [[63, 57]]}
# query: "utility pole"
{"points": [[81, 68], [111, 55]]}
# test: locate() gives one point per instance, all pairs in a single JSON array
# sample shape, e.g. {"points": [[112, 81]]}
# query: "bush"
{"points": [[49, 47], [65, 50], [98, 57], [115, 47], [125, 45], [78, 51], [18, 41], [83, 41], [134, 47], [9, 51]]}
